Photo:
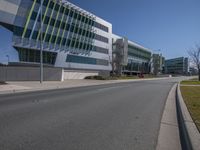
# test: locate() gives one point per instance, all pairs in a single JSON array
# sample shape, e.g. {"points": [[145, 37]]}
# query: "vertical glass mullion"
{"points": [[84, 35], [65, 27], [72, 18], [35, 22], [93, 34], [58, 12], [79, 26], [46, 32], [74, 29], [60, 24], [28, 19], [88, 42], [47, 8], [88, 29], [81, 35], [92, 37]]}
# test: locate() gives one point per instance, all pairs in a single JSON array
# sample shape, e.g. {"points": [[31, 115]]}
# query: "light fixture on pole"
{"points": [[8, 58]]}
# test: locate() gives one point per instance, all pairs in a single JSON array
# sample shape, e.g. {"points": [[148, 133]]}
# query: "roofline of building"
{"points": [[176, 58], [134, 44], [139, 46], [83, 10]]}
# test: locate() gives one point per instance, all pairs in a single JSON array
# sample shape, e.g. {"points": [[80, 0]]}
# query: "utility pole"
{"points": [[41, 44]]}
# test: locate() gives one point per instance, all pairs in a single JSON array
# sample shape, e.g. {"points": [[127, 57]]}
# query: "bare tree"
{"points": [[195, 58]]}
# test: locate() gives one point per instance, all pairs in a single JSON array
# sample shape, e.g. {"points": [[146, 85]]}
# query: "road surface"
{"points": [[122, 116]]}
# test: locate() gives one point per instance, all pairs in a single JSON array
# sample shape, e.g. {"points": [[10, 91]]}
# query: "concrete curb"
{"points": [[169, 138], [190, 136]]}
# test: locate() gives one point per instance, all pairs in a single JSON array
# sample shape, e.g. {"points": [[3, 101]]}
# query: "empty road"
{"points": [[122, 116]]}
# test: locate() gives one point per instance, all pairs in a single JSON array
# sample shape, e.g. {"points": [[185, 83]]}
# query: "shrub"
{"points": [[95, 78]]}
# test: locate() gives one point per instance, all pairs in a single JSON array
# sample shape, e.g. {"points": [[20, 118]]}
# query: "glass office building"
{"points": [[72, 38], [177, 66], [133, 57], [138, 59]]}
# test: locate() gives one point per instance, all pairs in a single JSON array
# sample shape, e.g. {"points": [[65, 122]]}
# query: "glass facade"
{"points": [[139, 53], [101, 27], [86, 60], [134, 66], [63, 26], [100, 50], [139, 60], [29, 55], [177, 66]]}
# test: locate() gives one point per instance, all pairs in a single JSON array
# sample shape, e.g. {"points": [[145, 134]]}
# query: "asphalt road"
{"points": [[124, 116]]}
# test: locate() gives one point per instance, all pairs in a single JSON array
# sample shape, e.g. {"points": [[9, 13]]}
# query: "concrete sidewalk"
{"points": [[14, 87], [169, 138]]}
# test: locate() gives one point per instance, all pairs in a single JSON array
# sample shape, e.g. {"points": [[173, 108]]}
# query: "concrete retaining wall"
{"points": [[70, 74], [19, 73]]}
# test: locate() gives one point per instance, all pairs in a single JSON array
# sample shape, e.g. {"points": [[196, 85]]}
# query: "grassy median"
{"points": [[191, 82], [191, 96]]}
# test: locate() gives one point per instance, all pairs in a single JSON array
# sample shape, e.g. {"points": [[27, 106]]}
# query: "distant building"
{"points": [[129, 57], [177, 66]]}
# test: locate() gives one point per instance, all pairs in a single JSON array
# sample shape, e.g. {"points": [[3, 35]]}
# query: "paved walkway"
{"points": [[169, 138], [13, 87]]}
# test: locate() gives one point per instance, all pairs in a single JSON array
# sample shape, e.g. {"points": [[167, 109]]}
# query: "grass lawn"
{"points": [[191, 96], [191, 82], [194, 79]]}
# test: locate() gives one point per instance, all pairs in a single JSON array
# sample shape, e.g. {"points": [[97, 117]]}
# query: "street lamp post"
{"points": [[8, 58], [41, 44], [7, 67]]}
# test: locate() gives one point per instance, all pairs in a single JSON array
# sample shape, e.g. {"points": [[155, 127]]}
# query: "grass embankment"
{"points": [[190, 82], [191, 96]]}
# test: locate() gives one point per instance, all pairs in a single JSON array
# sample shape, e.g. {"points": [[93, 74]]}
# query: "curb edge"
{"points": [[189, 134]]}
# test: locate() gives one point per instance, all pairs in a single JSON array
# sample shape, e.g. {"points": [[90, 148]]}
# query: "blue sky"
{"points": [[170, 25]]}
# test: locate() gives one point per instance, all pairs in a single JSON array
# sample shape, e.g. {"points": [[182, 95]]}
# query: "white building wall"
{"points": [[62, 55], [8, 11]]}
